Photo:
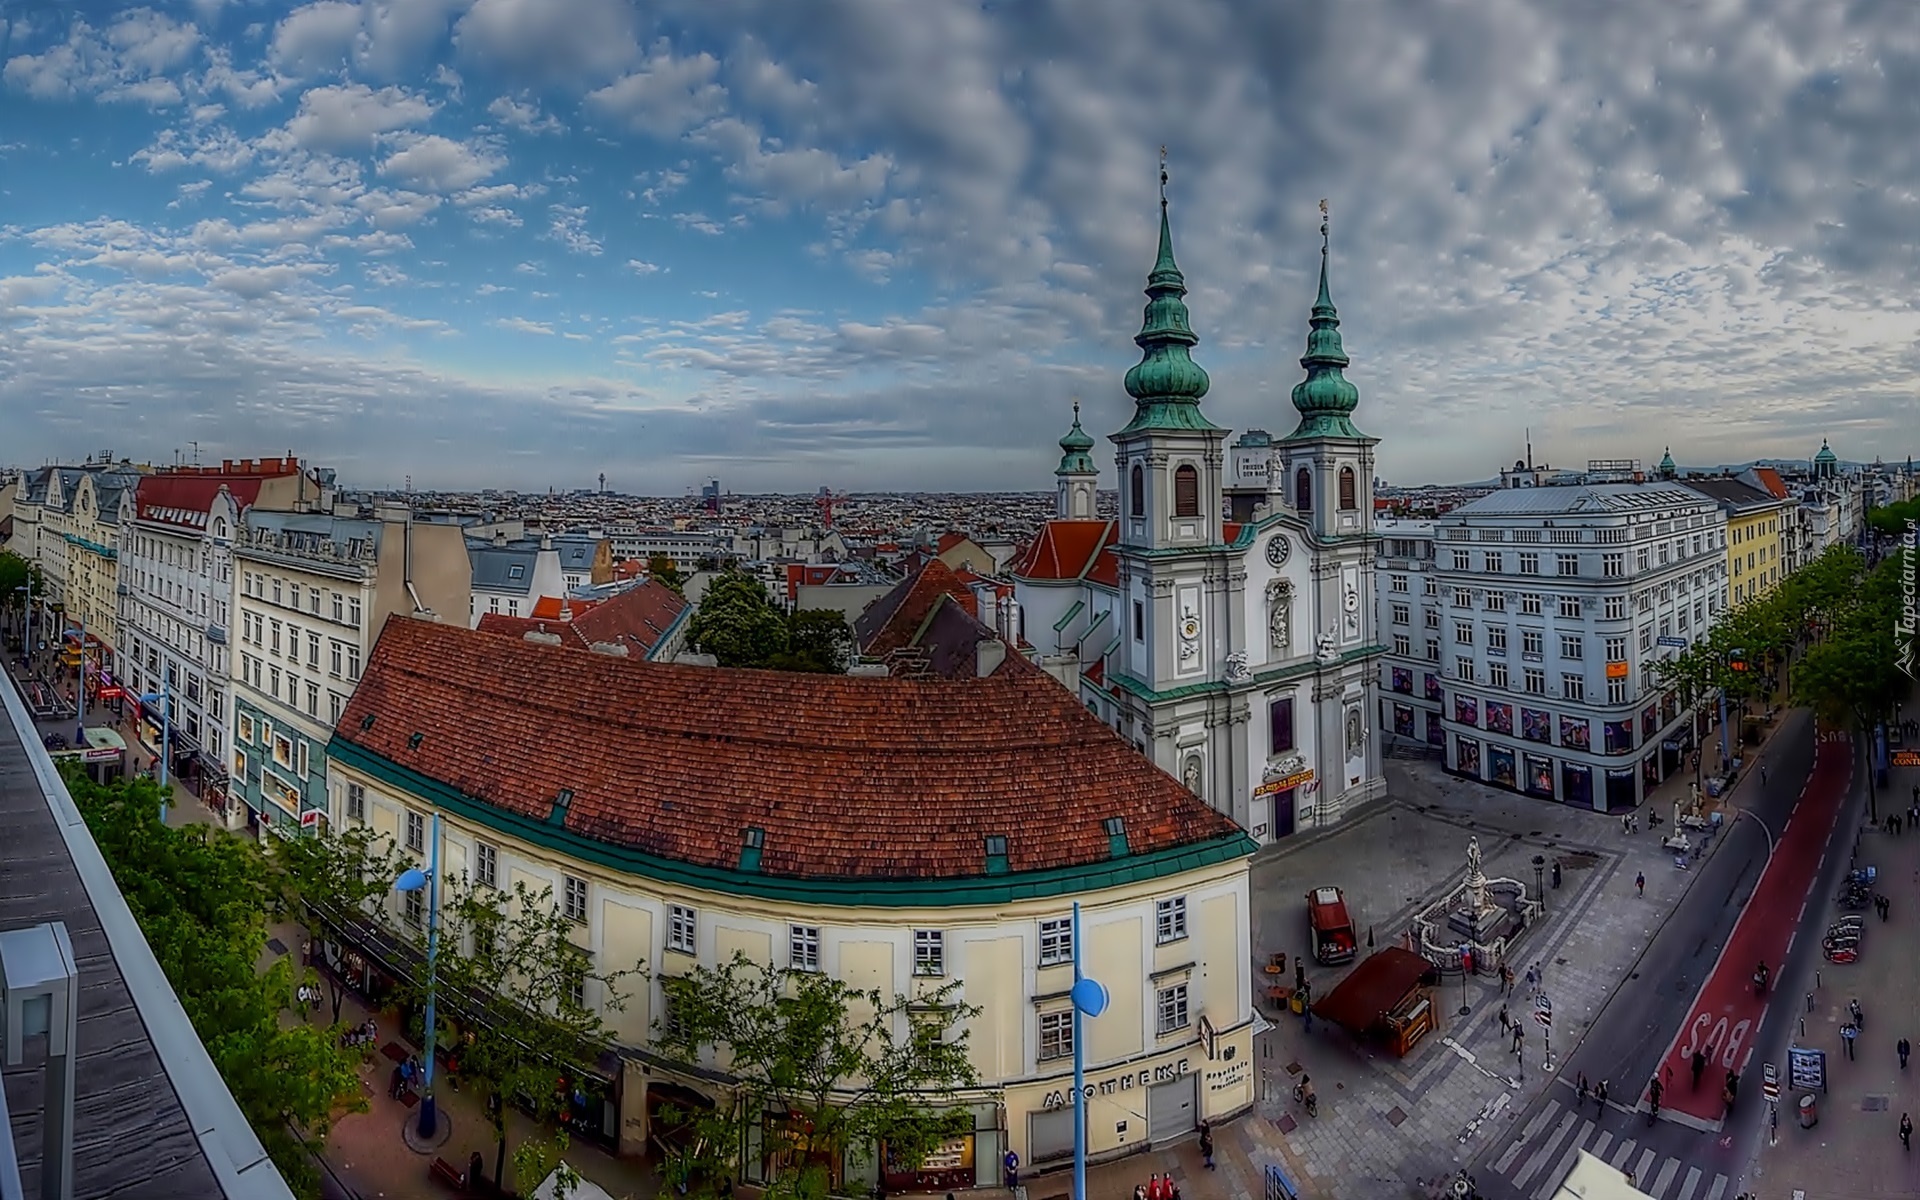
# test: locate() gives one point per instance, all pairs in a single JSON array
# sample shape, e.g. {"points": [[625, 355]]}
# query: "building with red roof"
{"points": [[646, 621], [896, 833]]}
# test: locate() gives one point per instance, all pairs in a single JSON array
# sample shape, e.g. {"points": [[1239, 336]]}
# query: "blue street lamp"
{"points": [[412, 880], [161, 699], [1089, 1000]]}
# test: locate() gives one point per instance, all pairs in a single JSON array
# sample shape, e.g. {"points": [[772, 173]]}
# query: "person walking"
{"points": [[1506, 1022], [1654, 1091], [1519, 1035], [1763, 774], [1903, 1049], [1906, 1131], [1506, 980], [1600, 1098], [1848, 1033], [1206, 1144], [1640, 884], [1582, 1085]]}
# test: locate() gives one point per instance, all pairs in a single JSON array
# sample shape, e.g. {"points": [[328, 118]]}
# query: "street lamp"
{"points": [[161, 698], [412, 880], [1089, 1000], [80, 693]]}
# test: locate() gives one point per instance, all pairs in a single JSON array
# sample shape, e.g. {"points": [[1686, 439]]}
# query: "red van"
{"points": [[1333, 941]]}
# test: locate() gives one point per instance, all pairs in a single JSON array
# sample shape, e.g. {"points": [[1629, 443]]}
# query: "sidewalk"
{"points": [[1854, 1152]]}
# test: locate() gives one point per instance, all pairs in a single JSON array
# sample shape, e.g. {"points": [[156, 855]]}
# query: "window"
{"points": [[1643, 559], [1463, 669], [1463, 633], [313, 601], [1573, 687], [1616, 608], [1170, 919], [1172, 1007], [1402, 645], [1570, 645], [273, 679], [313, 698], [245, 729], [337, 598], [1349, 490], [1397, 583], [1433, 649], [486, 865], [1616, 691], [1569, 563], [356, 802], [275, 644], [1646, 637], [1430, 586], [1530, 604], [1535, 681], [313, 650], [1616, 649], [1186, 491], [1056, 941], [1463, 560], [929, 953], [1570, 607], [416, 832], [1497, 637], [283, 751], [1139, 621], [1137, 492], [276, 591], [1463, 597], [353, 663], [574, 902], [413, 906], [1613, 566], [353, 612], [1496, 602], [1492, 561], [300, 759], [1056, 1035], [681, 927], [1532, 641], [335, 703], [1400, 614], [1280, 725], [803, 947], [1529, 562], [1303, 490], [1497, 674], [1432, 618]]}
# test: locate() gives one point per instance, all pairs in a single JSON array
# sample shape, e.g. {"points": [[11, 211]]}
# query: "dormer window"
{"points": [[516, 571]]}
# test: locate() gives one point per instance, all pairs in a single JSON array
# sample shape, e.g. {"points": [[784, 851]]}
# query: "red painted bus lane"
{"points": [[1726, 1014]]}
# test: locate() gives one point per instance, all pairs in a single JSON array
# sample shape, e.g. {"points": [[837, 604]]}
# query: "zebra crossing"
{"points": [[1544, 1150]]}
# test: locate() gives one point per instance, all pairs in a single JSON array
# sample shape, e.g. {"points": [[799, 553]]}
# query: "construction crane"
{"points": [[826, 501]]}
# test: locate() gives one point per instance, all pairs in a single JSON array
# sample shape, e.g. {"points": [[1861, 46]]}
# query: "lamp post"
{"points": [[162, 699], [80, 693], [1089, 1000], [1466, 968], [412, 880]]}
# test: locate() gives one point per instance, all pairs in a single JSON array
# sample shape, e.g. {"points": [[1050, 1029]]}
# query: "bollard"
{"points": [[1816, 979], [1809, 1004], [1803, 1027]]}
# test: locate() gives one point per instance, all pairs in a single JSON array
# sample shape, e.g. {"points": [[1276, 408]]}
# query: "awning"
{"points": [[1373, 989]]}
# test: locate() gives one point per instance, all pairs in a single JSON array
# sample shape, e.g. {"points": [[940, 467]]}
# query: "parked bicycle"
{"points": [[1303, 1093]]}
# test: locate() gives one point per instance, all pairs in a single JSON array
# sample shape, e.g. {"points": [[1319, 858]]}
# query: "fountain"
{"points": [[1485, 915], [1477, 915]]}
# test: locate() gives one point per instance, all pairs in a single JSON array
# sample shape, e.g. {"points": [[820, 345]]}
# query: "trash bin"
{"points": [[1809, 1116], [1298, 1003]]}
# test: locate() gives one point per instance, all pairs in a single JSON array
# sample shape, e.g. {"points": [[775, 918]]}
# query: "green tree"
{"points": [[737, 622], [518, 993], [663, 571], [818, 640], [330, 882], [202, 898], [849, 1067]]}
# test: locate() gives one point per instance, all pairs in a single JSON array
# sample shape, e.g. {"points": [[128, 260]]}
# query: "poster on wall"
{"points": [[1434, 690], [1536, 726], [1403, 680], [1650, 769], [1436, 736], [1539, 775], [1618, 735], [1576, 784], [1500, 766], [1466, 756], [1403, 720], [1466, 710], [1576, 733], [1649, 722], [1499, 717]]}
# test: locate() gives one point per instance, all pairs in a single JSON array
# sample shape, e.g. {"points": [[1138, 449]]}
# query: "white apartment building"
{"points": [[1521, 629]]}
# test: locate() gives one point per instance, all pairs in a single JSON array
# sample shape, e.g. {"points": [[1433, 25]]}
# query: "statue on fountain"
{"points": [[1477, 916]]}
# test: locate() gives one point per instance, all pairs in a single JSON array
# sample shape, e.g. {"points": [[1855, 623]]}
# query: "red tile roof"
{"points": [[1771, 481], [1063, 549], [678, 761], [520, 627], [894, 620], [166, 497], [557, 608], [1105, 570], [636, 618], [948, 541]]}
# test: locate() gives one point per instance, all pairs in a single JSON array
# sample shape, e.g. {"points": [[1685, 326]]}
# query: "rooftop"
{"points": [[1593, 499], [637, 618], [757, 781], [152, 1117]]}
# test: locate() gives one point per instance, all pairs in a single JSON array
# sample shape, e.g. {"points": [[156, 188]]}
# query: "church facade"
{"points": [[1223, 623]]}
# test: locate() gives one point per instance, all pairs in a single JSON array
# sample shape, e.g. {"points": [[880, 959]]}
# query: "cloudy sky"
{"points": [[883, 244]]}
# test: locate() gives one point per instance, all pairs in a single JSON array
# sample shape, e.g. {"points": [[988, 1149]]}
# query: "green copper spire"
{"points": [[1667, 468], [1166, 384], [1074, 448], [1826, 454], [1325, 398]]}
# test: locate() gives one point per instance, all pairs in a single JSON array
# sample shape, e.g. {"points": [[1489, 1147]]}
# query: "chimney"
{"points": [[869, 671], [988, 654], [541, 636]]}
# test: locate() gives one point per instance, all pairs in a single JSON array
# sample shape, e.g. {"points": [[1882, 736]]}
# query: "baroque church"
{"points": [[1224, 622]]}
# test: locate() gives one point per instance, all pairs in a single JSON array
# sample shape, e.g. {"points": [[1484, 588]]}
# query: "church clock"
{"points": [[1278, 551]]}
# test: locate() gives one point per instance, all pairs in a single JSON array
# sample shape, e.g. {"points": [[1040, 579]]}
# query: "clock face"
{"points": [[1278, 551]]}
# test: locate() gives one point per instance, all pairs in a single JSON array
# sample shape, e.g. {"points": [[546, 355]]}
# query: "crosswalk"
{"points": [[1543, 1152]]}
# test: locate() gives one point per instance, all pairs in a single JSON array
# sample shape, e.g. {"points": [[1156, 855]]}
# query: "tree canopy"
{"points": [[663, 571], [329, 881], [202, 898], [16, 573], [738, 623], [1851, 674], [851, 1067]]}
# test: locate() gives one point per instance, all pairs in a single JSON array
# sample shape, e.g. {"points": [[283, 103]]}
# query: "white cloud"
{"points": [[549, 41], [525, 117], [522, 325], [569, 228], [216, 149], [257, 283], [396, 210], [666, 96], [494, 215], [349, 116], [316, 37], [125, 61], [638, 267], [439, 164]]}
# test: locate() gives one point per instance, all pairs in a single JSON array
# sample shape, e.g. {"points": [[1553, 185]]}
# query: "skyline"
{"points": [[513, 244]]}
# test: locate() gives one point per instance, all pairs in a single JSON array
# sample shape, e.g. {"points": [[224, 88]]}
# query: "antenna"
{"points": [[196, 452], [1529, 448]]}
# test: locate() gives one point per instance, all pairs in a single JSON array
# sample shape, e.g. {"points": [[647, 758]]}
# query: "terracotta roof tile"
{"points": [[678, 761], [158, 497], [520, 627], [894, 620], [1063, 550], [636, 618]]}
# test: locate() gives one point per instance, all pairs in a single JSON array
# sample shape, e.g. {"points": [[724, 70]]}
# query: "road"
{"points": [[1640, 1026]]}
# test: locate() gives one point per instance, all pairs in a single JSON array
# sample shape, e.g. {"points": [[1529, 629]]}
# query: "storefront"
{"points": [[104, 757]]}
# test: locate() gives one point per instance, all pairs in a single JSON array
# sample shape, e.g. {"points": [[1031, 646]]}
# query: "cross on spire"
{"points": [[1163, 176], [1323, 227]]}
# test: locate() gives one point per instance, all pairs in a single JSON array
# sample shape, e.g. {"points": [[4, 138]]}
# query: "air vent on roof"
{"points": [[996, 855], [561, 803], [752, 841], [1116, 837], [414, 740], [366, 722]]}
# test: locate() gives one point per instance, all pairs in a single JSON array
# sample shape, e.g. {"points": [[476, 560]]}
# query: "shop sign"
{"points": [[101, 754], [1284, 783], [1906, 758], [1146, 1077], [1230, 1076]]}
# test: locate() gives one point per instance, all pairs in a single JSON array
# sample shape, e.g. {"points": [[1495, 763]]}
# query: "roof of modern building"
{"points": [[1596, 499], [760, 780], [152, 1115], [638, 618]]}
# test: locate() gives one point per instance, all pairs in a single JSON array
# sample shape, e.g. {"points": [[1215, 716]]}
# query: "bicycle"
{"points": [[1304, 1094]]}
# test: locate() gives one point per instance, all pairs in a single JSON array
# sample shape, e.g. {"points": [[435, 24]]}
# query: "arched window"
{"points": [[1137, 492], [1186, 491], [1349, 499], [1303, 490]]}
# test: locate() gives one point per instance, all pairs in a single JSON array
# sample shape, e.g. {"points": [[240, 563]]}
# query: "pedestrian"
{"points": [[1306, 1015], [1763, 774], [1506, 980], [1600, 1096], [1206, 1144], [1904, 1048], [1139, 1191], [1583, 1089], [1506, 1022], [1640, 884], [1011, 1165], [1906, 1131], [393, 1083], [1519, 1035], [1847, 1034], [1699, 1068], [1533, 980], [1157, 1188]]}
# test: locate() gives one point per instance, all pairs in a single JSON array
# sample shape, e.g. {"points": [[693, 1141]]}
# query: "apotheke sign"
{"points": [[1122, 1083]]}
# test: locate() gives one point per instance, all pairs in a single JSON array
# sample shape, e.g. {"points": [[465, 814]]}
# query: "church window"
{"points": [[1186, 491], [1349, 490], [1139, 618], [1137, 493], [1303, 490], [1280, 725]]}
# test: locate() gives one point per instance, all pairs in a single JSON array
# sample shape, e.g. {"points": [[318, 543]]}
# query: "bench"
{"points": [[445, 1172]]}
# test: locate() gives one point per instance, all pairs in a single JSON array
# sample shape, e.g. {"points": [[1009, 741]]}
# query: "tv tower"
{"points": [[603, 483]]}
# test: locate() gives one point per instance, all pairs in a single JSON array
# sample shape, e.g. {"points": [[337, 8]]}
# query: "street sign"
{"points": [[1770, 1085], [1672, 641], [1544, 1016], [1807, 1069]]}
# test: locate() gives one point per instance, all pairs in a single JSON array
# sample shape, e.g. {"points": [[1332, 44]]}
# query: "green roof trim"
{"points": [[869, 893], [1253, 682], [1071, 614]]}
